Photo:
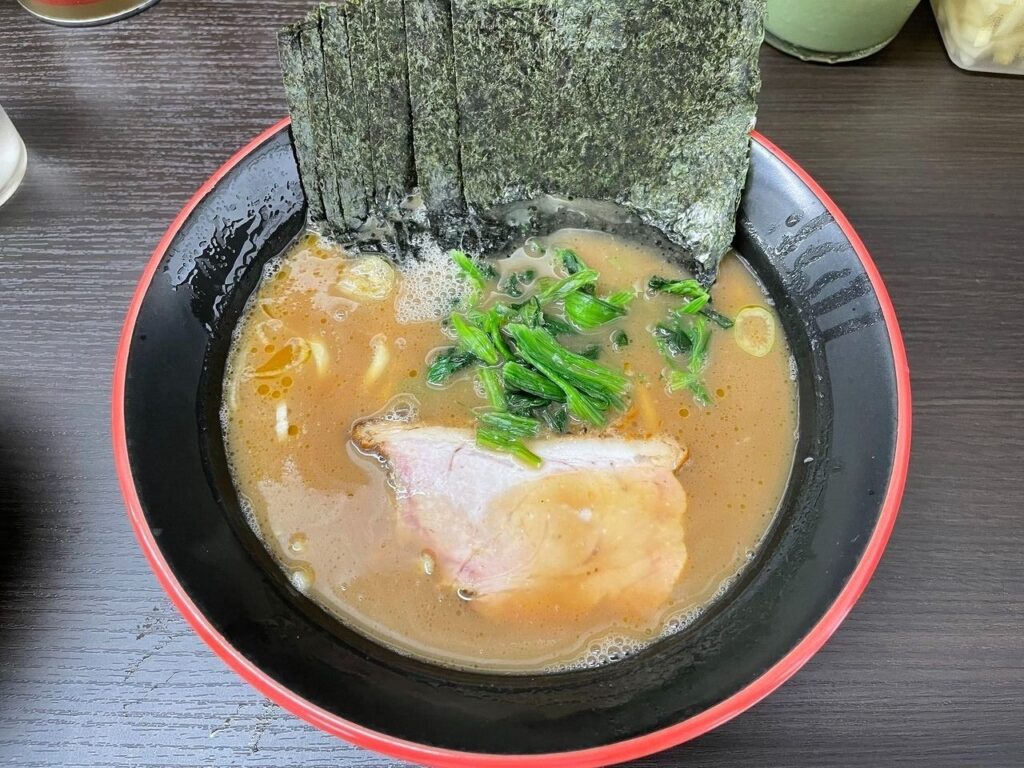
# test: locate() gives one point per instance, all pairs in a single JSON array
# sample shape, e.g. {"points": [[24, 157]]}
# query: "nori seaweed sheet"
{"points": [[647, 103], [348, 122], [290, 53], [361, 54], [389, 105], [320, 118], [433, 98]]}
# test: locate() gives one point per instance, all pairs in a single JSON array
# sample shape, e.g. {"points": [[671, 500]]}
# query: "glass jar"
{"points": [[983, 35], [833, 31]]}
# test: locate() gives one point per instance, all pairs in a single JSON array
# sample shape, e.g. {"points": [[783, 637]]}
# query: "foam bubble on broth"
{"points": [[604, 651], [429, 286]]}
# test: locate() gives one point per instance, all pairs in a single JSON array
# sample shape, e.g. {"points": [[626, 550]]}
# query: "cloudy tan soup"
{"points": [[622, 499]]}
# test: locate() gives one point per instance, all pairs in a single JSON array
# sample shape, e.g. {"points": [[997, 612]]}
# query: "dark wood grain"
{"points": [[123, 123]]}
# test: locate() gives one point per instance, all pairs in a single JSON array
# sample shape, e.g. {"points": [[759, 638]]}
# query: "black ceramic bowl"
{"points": [[842, 500]]}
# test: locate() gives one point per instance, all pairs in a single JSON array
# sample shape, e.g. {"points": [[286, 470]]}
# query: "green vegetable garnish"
{"points": [[675, 341], [543, 351], [620, 339], [497, 440], [493, 389], [717, 318], [559, 289], [515, 282], [529, 313], [510, 425], [523, 404], [556, 326], [519, 377], [700, 334], [621, 298], [470, 270], [474, 339], [447, 363], [492, 323], [674, 337], [592, 352], [586, 311], [690, 287], [686, 380], [693, 306], [569, 260], [556, 417]]}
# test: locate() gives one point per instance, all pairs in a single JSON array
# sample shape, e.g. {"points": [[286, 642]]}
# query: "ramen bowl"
{"points": [[838, 511]]}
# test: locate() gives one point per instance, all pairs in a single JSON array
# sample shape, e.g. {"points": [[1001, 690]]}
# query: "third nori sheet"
{"points": [[648, 103]]}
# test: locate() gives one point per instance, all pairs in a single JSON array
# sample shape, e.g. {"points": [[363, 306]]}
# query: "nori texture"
{"points": [[324, 152], [348, 122], [647, 103], [389, 105], [432, 94], [363, 93], [290, 52]]}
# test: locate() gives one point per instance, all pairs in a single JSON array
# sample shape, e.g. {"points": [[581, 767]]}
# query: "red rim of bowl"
{"points": [[594, 756]]}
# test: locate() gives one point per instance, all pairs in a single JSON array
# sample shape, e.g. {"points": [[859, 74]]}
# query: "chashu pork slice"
{"points": [[600, 523]]}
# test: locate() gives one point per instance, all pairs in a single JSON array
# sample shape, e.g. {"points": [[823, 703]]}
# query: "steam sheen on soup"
{"points": [[389, 500]]}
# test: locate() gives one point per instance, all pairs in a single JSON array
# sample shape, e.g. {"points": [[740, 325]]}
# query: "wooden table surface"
{"points": [[124, 122]]}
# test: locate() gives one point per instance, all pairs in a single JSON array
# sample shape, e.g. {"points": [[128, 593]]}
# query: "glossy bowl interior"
{"points": [[840, 507]]}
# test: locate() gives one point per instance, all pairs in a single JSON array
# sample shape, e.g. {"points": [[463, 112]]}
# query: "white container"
{"points": [[983, 35], [13, 157]]}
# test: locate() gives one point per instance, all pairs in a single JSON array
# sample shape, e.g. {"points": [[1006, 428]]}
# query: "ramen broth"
{"points": [[312, 358]]}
